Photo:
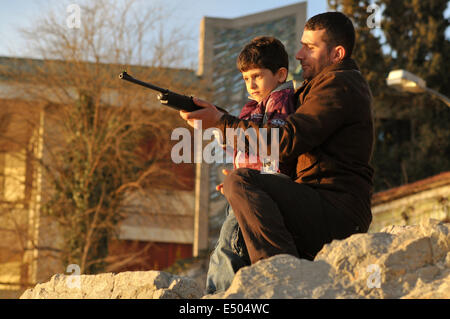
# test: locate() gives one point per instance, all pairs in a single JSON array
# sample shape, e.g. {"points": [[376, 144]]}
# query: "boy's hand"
{"points": [[219, 187]]}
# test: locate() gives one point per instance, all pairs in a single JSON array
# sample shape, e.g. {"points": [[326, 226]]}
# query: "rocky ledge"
{"points": [[398, 262]]}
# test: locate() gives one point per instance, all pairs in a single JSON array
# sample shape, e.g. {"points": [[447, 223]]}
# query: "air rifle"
{"points": [[166, 97]]}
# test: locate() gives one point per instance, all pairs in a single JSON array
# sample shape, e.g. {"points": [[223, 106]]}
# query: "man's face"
{"points": [[313, 55], [260, 82]]}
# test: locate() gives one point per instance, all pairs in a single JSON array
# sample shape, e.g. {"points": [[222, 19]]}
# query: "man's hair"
{"points": [[339, 30], [263, 53]]}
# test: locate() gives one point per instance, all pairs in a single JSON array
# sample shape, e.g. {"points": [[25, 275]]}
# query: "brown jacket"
{"points": [[331, 138]]}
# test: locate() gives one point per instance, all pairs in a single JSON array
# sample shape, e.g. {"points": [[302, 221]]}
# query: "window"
{"points": [[12, 176]]}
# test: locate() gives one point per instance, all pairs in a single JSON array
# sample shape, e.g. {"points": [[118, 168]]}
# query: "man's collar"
{"points": [[286, 85], [345, 64]]}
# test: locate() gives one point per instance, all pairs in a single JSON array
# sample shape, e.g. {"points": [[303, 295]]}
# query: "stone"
{"points": [[125, 285], [398, 262]]}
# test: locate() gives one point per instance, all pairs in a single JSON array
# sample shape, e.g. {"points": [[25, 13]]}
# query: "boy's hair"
{"points": [[263, 53], [338, 27]]}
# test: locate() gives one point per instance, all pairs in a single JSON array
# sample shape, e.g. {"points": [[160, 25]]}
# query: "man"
{"points": [[330, 137]]}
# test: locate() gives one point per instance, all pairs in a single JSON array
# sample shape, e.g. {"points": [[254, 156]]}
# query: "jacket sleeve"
{"points": [[320, 115]]}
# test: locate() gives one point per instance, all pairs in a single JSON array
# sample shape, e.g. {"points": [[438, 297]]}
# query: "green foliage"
{"points": [[411, 130]]}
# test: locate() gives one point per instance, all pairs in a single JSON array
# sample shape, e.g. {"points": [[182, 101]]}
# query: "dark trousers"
{"points": [[278, 216]]}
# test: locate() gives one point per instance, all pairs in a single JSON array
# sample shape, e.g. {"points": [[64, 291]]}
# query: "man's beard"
{"points": [[312, 72]]}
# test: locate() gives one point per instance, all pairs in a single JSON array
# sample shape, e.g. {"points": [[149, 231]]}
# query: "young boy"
{"points": [[264, 66]]}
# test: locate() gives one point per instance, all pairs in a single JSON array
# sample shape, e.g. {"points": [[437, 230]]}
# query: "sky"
{"points": [[188, 13]]}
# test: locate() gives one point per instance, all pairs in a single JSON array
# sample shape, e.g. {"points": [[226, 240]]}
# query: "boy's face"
{"points": [[260, 82], [314, 55]]}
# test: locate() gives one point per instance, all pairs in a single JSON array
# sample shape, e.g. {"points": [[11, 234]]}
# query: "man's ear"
{"points": [[338, 54], [282, 74]]}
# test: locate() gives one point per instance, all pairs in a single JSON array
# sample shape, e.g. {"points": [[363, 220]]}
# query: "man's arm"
{"points": [[320, 115]]}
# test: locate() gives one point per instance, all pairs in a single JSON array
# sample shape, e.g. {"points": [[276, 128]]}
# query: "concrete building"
{"points": [[412, 203], [159, 231]]}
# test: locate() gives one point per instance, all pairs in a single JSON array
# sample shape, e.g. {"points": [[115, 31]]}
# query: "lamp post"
{"points": [[405, 81]]}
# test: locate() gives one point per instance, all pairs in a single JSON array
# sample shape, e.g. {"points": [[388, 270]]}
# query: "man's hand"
{"points": [[209, 115], [219, 187]]}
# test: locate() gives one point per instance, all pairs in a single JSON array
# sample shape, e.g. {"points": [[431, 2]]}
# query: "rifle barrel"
{"points": [[125, 76]]}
